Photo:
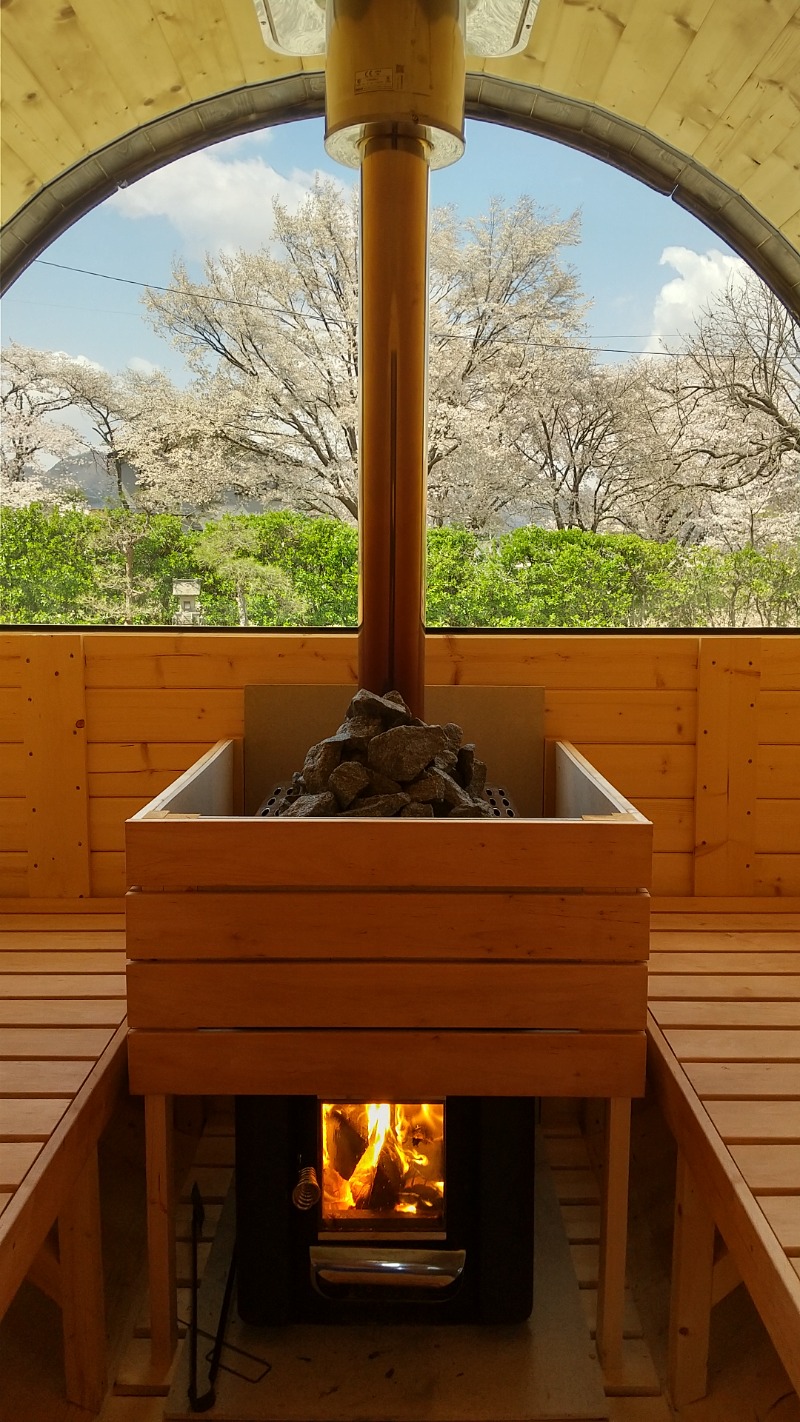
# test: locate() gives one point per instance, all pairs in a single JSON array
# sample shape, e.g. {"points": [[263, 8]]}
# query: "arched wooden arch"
{"points": [[574, 122]]}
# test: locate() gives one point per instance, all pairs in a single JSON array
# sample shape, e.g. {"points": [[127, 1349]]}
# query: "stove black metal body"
{"points": [[412, 1252]]}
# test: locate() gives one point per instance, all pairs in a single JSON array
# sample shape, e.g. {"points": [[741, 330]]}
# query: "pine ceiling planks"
{"points": [[715, 79]]}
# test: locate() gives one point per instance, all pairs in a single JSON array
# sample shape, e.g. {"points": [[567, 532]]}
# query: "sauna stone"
{"points": [[404, 751], [348, 780], [383, 761]]}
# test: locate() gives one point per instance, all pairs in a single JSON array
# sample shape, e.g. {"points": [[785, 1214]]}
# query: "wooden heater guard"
{"points": [[388, 960]]}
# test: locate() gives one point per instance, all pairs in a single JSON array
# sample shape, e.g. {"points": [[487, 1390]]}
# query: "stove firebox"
{"points": [[384, 1211]]}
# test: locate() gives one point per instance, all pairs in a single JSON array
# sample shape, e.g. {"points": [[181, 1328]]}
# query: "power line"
{"points": [[256, 306]]}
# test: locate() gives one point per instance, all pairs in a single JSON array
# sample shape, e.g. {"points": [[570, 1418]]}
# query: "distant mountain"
{"points": [[89, 472]]}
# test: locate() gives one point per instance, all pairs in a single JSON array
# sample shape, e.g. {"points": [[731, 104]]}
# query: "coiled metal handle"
{"points": [[306, 1192]]}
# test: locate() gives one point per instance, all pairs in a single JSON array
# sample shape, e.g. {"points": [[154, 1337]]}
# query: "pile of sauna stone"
{"points": [[384, 761]]}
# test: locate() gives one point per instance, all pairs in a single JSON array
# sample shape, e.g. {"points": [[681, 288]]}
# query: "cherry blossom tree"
{"points": [[272, 338], [33, 436], [733, 400]]}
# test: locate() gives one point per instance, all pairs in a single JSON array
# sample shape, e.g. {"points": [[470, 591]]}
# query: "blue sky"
{"points": [[645, 264]]}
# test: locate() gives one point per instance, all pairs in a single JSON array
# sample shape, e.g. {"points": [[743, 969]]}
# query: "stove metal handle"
{"points": [[418, 1268]]}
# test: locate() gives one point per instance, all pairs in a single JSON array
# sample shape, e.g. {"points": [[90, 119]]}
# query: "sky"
{"points": [[645, 264]]}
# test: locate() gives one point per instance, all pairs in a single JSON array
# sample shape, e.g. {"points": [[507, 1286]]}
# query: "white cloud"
{"points": [[81, 360], [214, 204], [140, 366], [701, 276]]}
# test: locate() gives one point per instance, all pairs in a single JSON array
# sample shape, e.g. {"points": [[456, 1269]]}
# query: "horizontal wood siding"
{"points": [[639, 709], [399, 1064], [453, 994], [293, 924]]}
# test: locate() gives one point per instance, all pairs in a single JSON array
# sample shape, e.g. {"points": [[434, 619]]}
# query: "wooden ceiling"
{"points": [[699, 97]]}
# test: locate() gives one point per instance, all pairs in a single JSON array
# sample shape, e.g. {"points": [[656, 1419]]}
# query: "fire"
{"points": [[383, 1159]]}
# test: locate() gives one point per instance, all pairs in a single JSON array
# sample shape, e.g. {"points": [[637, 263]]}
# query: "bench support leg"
{"points": [[613, 1235], [82, 1292], [692, 1284], [161, 1232]]}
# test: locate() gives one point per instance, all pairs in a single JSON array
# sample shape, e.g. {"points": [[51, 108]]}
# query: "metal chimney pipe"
{"points": [[395, 107], [393, 438]]}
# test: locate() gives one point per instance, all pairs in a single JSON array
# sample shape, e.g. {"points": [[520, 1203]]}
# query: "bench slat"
{"points": [[768, 921], [759, 987], [783, 1213], [726, 1014], [769, 1169], [61, 1012], [16, 1159], [47, 1078], [62, 985], [65, 1043], [782, 939], [744, 1080], [62, 924], [107, 961], [725, 961], [30, 1118], [761, 1044], [764, 1121]]}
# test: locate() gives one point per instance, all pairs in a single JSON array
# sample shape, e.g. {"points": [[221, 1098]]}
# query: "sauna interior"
{"points": [[618, 966]]}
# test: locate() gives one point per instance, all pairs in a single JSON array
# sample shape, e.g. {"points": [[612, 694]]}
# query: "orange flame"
{"points": [[404, 1141]]}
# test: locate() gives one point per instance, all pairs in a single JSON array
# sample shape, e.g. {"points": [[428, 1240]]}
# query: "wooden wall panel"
{"points": [[154, 702], [727, 754], [195, 659], [55, 742], [13, 859], [13, 875], [780, 663], [673, 874], [778, 771], [156, 714], [12, 769], [645, 772], [13, 824]]}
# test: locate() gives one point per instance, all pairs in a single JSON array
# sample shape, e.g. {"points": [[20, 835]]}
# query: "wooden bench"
{"points": [[724, 1063], [62, 1069]]}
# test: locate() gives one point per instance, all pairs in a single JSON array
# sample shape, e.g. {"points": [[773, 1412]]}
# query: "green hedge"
{"points": [[107, 568]]}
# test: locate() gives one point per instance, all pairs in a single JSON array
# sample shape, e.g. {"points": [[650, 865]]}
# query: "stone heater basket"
{"points": [[389, 959]]}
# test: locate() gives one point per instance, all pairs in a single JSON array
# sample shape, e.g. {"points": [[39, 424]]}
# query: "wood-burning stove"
{"points": [[398, 1212]]}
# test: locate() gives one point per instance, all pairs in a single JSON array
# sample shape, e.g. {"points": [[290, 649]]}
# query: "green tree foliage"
{"points": [[246, 589], [320, 556], [47, 568], [112, 567], [136, 555]]}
